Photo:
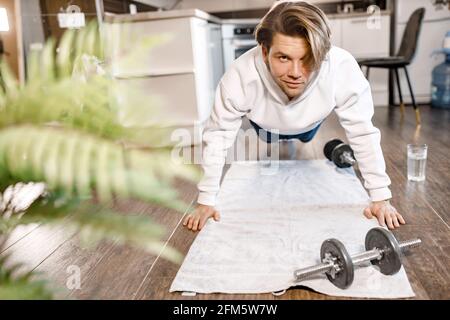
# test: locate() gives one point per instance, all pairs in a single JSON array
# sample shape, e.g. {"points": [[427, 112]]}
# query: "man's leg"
{"points": [[292, 149], [309, 135], [270, 137], [266, 136], [303, 137]]}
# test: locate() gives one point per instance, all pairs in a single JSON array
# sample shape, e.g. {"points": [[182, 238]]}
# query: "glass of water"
{"points": [[417, 161]]}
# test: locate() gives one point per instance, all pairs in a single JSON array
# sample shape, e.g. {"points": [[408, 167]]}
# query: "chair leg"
{"points": [[402, 105], [367, 73], [391, 80], [416, 109]]}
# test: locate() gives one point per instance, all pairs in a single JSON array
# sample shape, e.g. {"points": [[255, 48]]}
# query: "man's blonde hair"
{"points": [[299, 19]]}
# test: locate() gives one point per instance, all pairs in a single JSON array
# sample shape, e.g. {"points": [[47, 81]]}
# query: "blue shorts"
{"points": [[270, 137]]}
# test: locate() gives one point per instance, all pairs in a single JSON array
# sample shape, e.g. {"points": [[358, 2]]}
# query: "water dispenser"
{"points": [[440, 83]]}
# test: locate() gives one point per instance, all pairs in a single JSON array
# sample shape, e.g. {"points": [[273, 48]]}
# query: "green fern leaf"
{"points": [[48, 154]]}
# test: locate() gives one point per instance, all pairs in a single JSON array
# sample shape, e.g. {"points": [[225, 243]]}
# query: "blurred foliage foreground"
{"points": [[64, 157]]}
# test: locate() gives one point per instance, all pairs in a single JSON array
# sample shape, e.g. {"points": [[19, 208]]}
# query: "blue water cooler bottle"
{"points": [[440, 83]]}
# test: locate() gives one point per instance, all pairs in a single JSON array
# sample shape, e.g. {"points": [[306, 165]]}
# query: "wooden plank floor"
{"points": [[110, 271]]}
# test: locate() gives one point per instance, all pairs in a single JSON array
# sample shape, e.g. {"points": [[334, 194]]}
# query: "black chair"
{"points": [[403, 57]]}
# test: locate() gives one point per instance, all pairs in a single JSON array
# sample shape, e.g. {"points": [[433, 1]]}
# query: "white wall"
{"points": [[229, 5], [159, 3]]}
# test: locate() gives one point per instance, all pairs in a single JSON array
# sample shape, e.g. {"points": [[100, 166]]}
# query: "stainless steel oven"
{"points": [[238, 37]]}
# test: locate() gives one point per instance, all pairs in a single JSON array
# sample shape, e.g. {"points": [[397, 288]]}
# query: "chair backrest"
{"points": [[411, 35]]}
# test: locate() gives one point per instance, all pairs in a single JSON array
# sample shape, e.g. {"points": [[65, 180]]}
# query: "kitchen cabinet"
{"points": [[363, 39], [169, 98], [336, 32], [176, 76]]}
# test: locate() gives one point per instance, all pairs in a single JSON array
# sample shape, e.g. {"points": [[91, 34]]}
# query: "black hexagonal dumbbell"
{"points": [[340, 153]]}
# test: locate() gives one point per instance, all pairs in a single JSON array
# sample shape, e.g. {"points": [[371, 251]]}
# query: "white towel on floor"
{"points": [[274, 218]]}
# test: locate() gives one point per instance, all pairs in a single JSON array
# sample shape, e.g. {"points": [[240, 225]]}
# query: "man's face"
{"points": [[285, 60]]}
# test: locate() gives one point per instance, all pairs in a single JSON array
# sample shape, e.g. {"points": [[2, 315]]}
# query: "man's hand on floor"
{"points": [[197, 219], [385, 213]]}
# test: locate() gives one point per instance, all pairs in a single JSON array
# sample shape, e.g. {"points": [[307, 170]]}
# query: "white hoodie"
{"points": [[248, 89]]}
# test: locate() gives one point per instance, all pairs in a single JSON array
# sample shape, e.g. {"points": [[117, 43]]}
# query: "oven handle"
{"points": [[243, 43]]}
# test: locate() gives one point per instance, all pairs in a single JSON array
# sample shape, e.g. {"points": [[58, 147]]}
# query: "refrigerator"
{"points": [[436, 23]]}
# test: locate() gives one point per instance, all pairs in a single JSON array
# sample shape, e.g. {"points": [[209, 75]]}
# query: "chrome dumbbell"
{"points": [[382, 249]]}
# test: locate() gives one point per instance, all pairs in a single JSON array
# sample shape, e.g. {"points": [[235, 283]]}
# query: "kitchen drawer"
{"points": [[172, 54], [336, 32], [162, 100]]}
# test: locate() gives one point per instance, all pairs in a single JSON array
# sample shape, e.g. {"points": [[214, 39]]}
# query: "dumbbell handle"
{"points": [[378, 253], [357, 259], [346, 157]]}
